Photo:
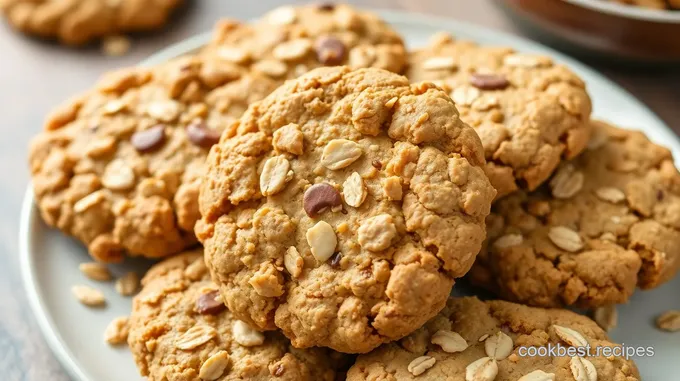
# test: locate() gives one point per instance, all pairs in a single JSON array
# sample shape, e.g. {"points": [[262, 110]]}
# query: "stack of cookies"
{"points": [[337, 202]]}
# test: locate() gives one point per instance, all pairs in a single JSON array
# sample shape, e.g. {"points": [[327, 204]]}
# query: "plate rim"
{"points": [[30, 214]]}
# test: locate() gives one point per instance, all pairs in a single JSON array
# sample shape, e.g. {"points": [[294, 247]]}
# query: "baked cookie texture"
{"points": [[291, 40], [461, 342], [181, 331], [529, 112], [119, 166], [607, 222], [76, 22], [341, 207]]}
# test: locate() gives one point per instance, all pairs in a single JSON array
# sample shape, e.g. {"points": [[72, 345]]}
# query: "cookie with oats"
{"points": [[605, 223], [341, 207], [529, 112], [118, 167], [180, 330], [490, 341], [291, 40], [76, 22]]}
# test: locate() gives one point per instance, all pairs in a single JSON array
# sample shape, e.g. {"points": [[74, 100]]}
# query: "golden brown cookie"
{"points": [[75, 22], [341, 208], [529, 112], [473, 340], [119, 167], [180, 330], [291, 40], [605, 223]]}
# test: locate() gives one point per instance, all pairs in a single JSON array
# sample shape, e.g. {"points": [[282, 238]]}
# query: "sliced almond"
{"points": [[669, 321], [354, 190], [449, 341], [246, 335], [440, 63], [508, 240], [214, 367], [498, 346], [610, 194], [322, 240], [293, 49], [100, 147], [606, 317], [570, 336], [420, 364], [233, 54], [565, 238], [128, 284], [272, 68], [340, 153], [484, 369], [95, 271], [117, 331], [567, 182], [90, 200], [526, 60], [88, 296], [275, 174], [293, 262], [538, 375], [582, 369], [390, 103], [195, 337]]}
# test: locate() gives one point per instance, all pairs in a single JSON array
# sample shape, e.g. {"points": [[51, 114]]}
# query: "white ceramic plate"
{"points": [[50, 260]]}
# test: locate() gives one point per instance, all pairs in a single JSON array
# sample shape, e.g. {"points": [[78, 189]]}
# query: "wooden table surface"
{"points": [[35, 76]]}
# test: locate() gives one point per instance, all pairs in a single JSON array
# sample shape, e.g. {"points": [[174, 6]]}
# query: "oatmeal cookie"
{"points": [[289, 41], [118, 167], [180, 330], [342, 206], [475, 340], [76, 22], [605, 223], [529, 112]]}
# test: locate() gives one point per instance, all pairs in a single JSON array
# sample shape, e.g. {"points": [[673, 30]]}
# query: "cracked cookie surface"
{"points": [[180, 330], [375, 201], [291, 40], [76, 22], [529, 112], [605, 223], [119, 166], [461, 342]]}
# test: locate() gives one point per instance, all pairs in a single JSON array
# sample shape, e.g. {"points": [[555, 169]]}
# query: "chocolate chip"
{"points": [[201, 135], [329, 50], [489, 81], [335, 260], [326, 7], [319, 197], [149, 140], [376, 164], [659, 195], [208, 304]]}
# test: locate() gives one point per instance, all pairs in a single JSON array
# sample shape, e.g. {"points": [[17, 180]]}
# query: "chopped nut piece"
{"points": [[118, 176], [508, 240], [128, 284], [340, 153], [440, 63], [570, 336], [88, 296], [498, 346], [582, 369], [465, 95], [354, 190], [117, 331], [322, 240], [293, 262], [613, 195], [538, 375], [247, 336], [95, 271], [484, 369], [275, 174]]}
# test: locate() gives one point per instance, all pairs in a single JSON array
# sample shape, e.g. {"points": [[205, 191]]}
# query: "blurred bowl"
{"points": [[602, 28]]}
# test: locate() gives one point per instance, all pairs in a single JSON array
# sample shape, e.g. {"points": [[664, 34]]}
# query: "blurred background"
{"points": [[637, 48]]}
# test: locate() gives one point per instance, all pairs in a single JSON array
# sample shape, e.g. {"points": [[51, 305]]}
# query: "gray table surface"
{"points": [[35, 76]]}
